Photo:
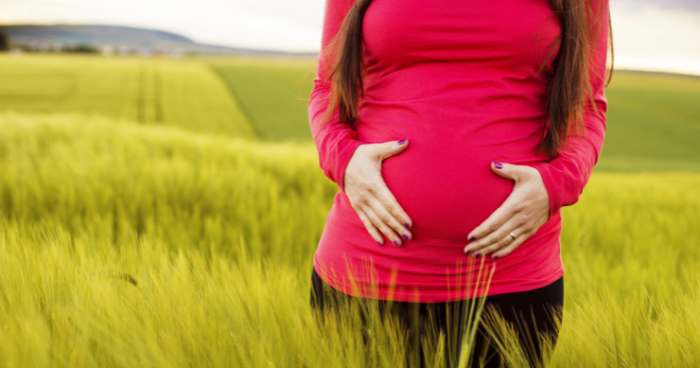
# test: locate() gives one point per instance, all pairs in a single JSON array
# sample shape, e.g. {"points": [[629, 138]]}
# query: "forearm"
{"points": [[566, 175], [335, 140]]}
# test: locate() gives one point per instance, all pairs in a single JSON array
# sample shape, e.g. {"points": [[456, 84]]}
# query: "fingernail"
{"points": [[379, 242], [471, 238], [497, 164], [397, 242], [402, 141], [404, 236], [407, 225]]}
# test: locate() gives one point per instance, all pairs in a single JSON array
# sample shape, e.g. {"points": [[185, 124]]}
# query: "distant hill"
{"points": [[118, 38]]}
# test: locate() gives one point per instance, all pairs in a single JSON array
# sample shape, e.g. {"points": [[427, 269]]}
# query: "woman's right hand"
{"points": [[370, 197]]}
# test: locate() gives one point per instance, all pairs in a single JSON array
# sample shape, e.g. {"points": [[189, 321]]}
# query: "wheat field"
{"points": [[151, 216]]}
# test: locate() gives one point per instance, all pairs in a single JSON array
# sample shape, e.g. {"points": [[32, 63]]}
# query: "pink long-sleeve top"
{"points": [[460, 80]]}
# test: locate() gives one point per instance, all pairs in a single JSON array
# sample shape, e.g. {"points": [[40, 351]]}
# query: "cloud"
{"points": [[263, 24], [649, 37], [692, 5]]}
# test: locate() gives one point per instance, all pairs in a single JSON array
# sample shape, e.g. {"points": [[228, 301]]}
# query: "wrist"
{"points": [[545, 174], [346, 154]]}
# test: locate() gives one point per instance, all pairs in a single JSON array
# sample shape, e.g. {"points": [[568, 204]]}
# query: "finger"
{"points": [[390, 202], [385, 150], [493, 247], [500, 243], [493, 239], [381, 225], [505, 211], [370, 228], [387, 198], [506, 170], [386, 217], [513, 245]]}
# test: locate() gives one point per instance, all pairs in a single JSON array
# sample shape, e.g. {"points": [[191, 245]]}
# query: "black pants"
{"points": [[535, 316]]}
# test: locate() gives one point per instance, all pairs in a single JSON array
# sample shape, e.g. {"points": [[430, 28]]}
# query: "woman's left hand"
{"points": [[520, 215]]}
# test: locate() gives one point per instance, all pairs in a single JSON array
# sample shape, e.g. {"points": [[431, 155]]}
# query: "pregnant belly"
{"points": [[443, 179], [446, 189]]}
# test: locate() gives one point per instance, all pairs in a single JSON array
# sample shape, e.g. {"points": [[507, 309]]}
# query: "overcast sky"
{"points": [[649, 34]]}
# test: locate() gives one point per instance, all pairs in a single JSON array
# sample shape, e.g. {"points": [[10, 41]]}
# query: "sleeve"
{"points": [[335, 140], [566, 175]]}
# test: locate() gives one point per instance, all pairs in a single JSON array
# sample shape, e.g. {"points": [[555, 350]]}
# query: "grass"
{"points": [[180, 93], [123, 182], [653, 123], [274, 94], [183, 242]]}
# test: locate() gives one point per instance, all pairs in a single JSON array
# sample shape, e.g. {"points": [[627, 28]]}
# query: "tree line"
{"points": [[72, 48]]}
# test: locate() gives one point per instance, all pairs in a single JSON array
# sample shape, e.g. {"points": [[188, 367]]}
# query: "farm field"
{"points": [[144, 91], [164, 213], [272, 93]]}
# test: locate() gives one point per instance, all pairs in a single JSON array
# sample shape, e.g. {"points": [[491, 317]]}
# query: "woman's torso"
{"points": [[465, 82]]}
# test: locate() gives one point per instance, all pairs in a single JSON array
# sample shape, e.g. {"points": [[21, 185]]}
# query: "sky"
{"points": [[648, 34]]}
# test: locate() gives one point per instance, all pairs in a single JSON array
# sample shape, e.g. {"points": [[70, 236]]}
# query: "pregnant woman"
{"points": [[455, 131]]}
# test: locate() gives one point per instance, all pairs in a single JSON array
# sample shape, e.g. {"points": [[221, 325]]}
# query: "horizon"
{"points": [[649, 35]]}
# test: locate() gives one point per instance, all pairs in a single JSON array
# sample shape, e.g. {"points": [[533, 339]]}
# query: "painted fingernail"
{"points": [[404, 236], [497, 164], [471, 238], [397, 243], [402, 141], [407, 225]]}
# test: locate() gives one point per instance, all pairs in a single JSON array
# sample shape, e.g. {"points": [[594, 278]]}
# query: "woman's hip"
{"points": [[541, 300]]}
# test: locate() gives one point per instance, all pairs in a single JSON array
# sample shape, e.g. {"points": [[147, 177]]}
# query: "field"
{"points": [[162, 212]]}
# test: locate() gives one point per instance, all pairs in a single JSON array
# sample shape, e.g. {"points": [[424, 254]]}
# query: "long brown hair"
{"points": [[566, 92]]}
